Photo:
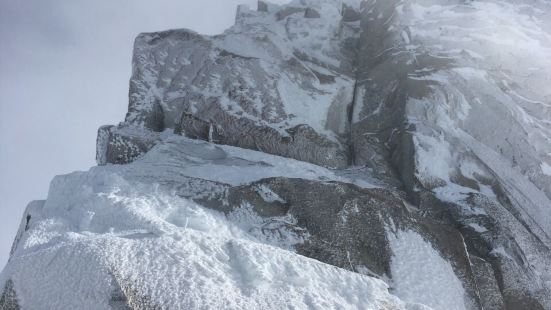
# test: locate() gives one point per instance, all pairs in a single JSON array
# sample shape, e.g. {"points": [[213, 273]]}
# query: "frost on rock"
{"points": [[123, 144], [311, 156], [237, 223], [455, 96], [115, 239], [278, 81], [453, 103]]}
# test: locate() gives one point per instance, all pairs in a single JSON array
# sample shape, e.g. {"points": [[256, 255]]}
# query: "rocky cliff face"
{"points": [[407, 143]]}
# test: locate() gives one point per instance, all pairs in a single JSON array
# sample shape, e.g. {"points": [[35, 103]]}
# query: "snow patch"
{"points": [[433, 157], [421, 275], [103, 230], [546, 169], [478, 228]]}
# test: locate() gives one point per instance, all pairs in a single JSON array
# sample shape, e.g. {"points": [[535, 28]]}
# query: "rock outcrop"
{"points": [[261, 85], [385, 138]]}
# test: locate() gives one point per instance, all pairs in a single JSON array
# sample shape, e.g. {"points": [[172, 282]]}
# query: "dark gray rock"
{"points": [[8, 299], [262, 6], [125, 297], [311, 13], [492, 238], [288, 11], [347, 226], [301, 142], [122, 145], [490, 295], [33, 210], [349, 14]]}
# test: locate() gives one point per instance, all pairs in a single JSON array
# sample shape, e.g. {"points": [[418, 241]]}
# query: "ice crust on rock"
{"points": [[141, 226], [109, 230]]}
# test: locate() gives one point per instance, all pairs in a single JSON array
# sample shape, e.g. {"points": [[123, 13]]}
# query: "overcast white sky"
{"points": [[64, 71]]}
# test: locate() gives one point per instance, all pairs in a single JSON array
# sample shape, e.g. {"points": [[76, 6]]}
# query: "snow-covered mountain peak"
{"points": [[318, 154]]}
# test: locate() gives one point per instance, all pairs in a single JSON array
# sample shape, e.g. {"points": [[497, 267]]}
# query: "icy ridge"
{"points": [[115, 238]]}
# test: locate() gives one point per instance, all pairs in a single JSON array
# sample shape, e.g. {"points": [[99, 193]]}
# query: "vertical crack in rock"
{"points": [[350, 138]]}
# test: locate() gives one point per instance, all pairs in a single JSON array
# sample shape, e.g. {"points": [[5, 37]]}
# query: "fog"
{"points": [[64, 71]]}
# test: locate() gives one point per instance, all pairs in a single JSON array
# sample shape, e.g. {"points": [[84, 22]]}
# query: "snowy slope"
{"points": [[453, 100], [422, 275], [474, 76], [110, 233]]}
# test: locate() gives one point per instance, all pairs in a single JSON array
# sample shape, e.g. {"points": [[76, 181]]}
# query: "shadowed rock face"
{"points": [[262, 6], [288, 11], [122, 145], [311, 13], [346, 224], [350, 14], [485, 279], [8, 299], [300, 142]]}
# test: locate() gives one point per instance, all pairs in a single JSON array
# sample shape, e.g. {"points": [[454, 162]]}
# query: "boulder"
{"points": [[311, 13], [349, 14], [262, 6], [288, 11], [122, 145]]}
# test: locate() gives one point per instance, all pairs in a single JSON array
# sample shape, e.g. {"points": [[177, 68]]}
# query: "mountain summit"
{"points": [[316, 155]]}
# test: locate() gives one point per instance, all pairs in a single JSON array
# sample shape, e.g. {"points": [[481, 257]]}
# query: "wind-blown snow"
{"points": [[485, 66]]}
